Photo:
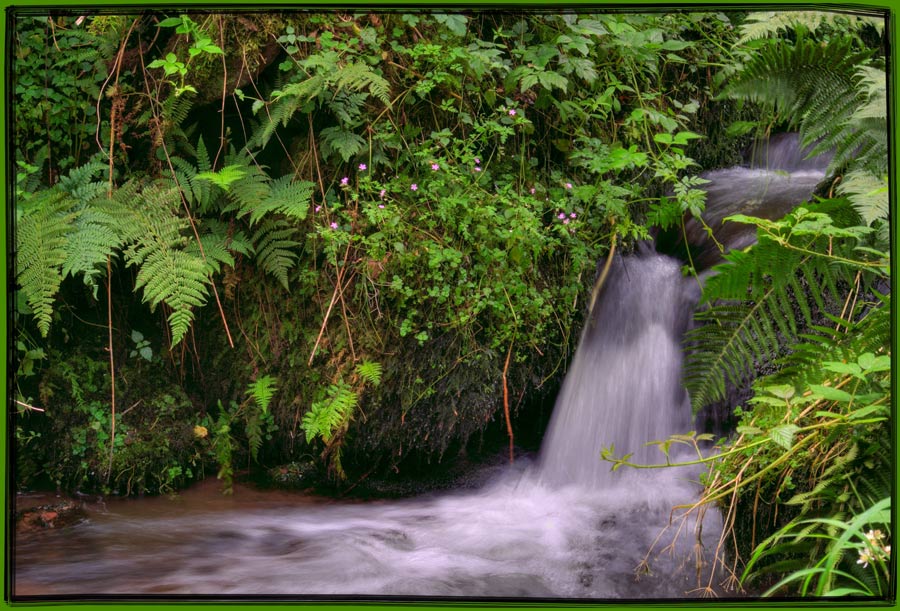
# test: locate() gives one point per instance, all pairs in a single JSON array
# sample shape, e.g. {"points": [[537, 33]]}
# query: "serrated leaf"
{"points": [[784, 435]]}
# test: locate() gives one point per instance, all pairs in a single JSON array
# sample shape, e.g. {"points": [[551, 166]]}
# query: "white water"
{"points": [[563, 528]]}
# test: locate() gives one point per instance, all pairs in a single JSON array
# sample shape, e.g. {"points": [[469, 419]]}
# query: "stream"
{"points": [[563, 526]]}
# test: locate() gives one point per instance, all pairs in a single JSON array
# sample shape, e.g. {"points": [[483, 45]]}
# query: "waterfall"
{"points": [[623, 388]]}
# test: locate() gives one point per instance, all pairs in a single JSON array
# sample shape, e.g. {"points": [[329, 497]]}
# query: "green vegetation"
{"points": [[357, 239]]}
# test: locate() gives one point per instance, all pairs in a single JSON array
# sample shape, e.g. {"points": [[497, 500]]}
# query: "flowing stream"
{"points": [[564, 526]]}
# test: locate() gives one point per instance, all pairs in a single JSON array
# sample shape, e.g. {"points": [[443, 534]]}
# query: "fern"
{"points": [[750, 316], [816, 88], [868, 194], [274, 246], [285, 197], [341, 141], [370, 372], [327, 416], [767, 23], [41, 240], [168, 272], [262, 391]]}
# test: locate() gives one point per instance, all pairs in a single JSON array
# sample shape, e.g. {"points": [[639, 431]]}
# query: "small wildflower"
{"points": [[477, 161], [512, 112], [318, 208], [435, 167], [382, 193], [477, 169], [381, 205], [568, 185], [573, 215], [864, 558], [362, 167], [414, 187], [874, 535], [565, 221], [561, 215], [532, 190], [345, 180]]}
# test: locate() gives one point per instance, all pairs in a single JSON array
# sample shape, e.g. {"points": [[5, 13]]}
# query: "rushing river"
{"points": [[514, 538]]}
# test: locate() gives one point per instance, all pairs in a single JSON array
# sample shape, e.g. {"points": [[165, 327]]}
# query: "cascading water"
{"points": [[623, 388], [565, 527]]}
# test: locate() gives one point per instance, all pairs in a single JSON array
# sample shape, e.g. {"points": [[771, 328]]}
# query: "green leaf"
{"points": [[171, 22], [784, 435], [147, 353], [831, 394]]}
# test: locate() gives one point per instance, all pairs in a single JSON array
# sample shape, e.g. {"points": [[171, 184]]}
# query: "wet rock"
{"points": [[56, 515]]}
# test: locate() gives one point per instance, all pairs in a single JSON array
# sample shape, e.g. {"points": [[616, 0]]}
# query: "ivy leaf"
{"points": [[784, 435]]}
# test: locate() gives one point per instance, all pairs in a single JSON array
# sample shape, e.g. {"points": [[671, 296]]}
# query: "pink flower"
{"points": [[318, 208], [512, 112], [362, 167], [565, 221], [435, 167], [573, 215], [414, 187], [568, 185], [477, 161], [477, 169], [382, 193], [532, 190], [345, 180], [561, 215], [334, 225], [381, 205]]}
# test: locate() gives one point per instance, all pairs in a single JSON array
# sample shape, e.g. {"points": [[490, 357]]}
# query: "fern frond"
{"points": [[95, 237], [274, 246], [868, 194], [766, 23], [215, 249], [370, 371], [360, 76], [326, 417], [79, 183], [262, 390], [286, 197], [170, 271], [752, 295], [224, 177], [342, 141], [41, 240], [819, 89]]}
